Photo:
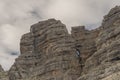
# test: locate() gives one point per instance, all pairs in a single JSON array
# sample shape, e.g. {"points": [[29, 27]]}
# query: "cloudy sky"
{"points": [[16, 16]]}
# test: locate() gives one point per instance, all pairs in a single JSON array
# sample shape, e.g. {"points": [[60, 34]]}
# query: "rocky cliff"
{"points": [[49, 52], [104, 63]]}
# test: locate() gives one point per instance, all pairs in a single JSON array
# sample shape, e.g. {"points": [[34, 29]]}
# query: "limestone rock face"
{"points": [[85, 41], [47, 53], [104, 64]]}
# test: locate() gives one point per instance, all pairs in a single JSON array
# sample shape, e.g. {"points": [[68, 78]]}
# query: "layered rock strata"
{"points": [[85, 41], [104, 64], [48, 52]]}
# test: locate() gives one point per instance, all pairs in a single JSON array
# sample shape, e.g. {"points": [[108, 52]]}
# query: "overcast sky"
{"points": [[16, 17]]}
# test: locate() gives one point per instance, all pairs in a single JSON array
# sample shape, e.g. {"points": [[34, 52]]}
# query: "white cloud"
{"points": [[80, 12], [10, 35], [6, 60], [16, 16]]}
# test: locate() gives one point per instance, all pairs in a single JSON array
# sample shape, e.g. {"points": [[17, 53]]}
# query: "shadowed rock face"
{"points": [[48, 52], [85, 41]]}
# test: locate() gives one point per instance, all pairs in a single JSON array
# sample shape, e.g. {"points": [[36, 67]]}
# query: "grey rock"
{"points": [[49, 52], [46, 53], [104, 64]]}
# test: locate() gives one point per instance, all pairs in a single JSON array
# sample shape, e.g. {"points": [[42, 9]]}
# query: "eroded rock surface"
{"points": [[104, 64], [48, 52], [85, 41]]}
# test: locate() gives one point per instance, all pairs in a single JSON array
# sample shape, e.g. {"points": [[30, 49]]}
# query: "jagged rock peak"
{"points": [[114, 11], [48, 51], [46, 24], [113, 15], [104, 64]]}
